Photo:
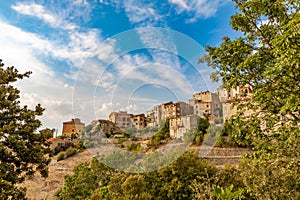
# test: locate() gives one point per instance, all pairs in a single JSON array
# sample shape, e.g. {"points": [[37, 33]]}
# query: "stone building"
{"points": [[151, 117], [222, 93], [75, 126], [240, 94], [102, 126], [122, 119], [139, 121], [179, 126], [157, 114], [57, 142], [206, 103], [168, 110]]}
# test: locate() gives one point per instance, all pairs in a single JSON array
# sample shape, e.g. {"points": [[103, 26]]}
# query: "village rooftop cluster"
{"points": [[217, 107]]}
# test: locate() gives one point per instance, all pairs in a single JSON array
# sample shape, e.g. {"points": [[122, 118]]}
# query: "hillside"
{"points": [[39, 188]]}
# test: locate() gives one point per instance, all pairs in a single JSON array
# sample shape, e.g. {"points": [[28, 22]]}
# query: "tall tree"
{"points": [[23, 151], [267, 58]]}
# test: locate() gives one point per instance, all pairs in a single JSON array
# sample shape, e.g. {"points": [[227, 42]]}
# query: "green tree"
{"points": [[175, 180], [266, 57], [85, 181], [126, 186], [23, 150], [203, 125]]}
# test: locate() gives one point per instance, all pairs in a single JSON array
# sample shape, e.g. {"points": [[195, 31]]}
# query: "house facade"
{"points": [[168, 110], [122, 119], [206, 104], [75, 126], [179, 126], [241, 94], [139, 121]]}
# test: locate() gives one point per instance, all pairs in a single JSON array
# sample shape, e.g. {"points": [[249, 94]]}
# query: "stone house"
{"points": [[75, 126], [206, 103], [179, 126], [167, 110], [139, 121], [240, 94], [122, 119], [55, 142]]}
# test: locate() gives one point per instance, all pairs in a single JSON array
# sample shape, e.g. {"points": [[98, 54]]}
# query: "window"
{"points": [[124, 119]]}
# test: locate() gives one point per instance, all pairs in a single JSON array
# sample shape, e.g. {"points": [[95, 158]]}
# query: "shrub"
{"points": [[61, 156], [58, 149], [71, 151]]}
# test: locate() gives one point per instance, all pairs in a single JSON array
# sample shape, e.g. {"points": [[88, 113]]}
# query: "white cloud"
{"points": [[144, 15], [80, 2], [43, 86], [140, 12], [23, 49], [128, 63], [180, 3], [40, 12], [198, 8]]}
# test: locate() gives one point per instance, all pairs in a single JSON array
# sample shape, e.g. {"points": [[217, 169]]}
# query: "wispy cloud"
{"points": [[36, 10], [141, 13], [21, 51], [81, 2], [198, 8]]}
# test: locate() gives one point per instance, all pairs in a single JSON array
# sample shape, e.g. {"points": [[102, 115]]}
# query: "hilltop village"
{"points": [[216, 107]]}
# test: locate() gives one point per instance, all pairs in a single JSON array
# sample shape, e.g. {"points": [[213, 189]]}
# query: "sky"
{"points": [[92, 57]]}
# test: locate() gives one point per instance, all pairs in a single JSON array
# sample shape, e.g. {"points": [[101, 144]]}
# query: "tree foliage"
{"points": [[86, 179], [266, 57], [23, 151]]}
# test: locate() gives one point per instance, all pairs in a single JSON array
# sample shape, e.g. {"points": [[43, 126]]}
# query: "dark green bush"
{"points": [[61, 156]]}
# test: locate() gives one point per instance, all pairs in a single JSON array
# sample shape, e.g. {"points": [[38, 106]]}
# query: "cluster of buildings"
{"points": [[216, 106]]}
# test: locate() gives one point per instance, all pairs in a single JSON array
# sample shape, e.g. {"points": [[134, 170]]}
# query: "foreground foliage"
{"points": [[23, 151], [96, 181], [266, 57]]}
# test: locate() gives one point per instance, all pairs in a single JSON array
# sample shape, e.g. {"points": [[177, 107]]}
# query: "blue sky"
{"points": [[92, 57]]}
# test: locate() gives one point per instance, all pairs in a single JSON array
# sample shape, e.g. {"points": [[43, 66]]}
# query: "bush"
{"points": [[71, 151], [133, 147], [61, 156], [58, 149], [226, 141]]}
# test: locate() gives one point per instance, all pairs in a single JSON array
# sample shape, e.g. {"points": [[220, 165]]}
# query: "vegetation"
{"points": [[23, 150], [162, 134], [87, 179], [266, 57], [171, 182]]}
